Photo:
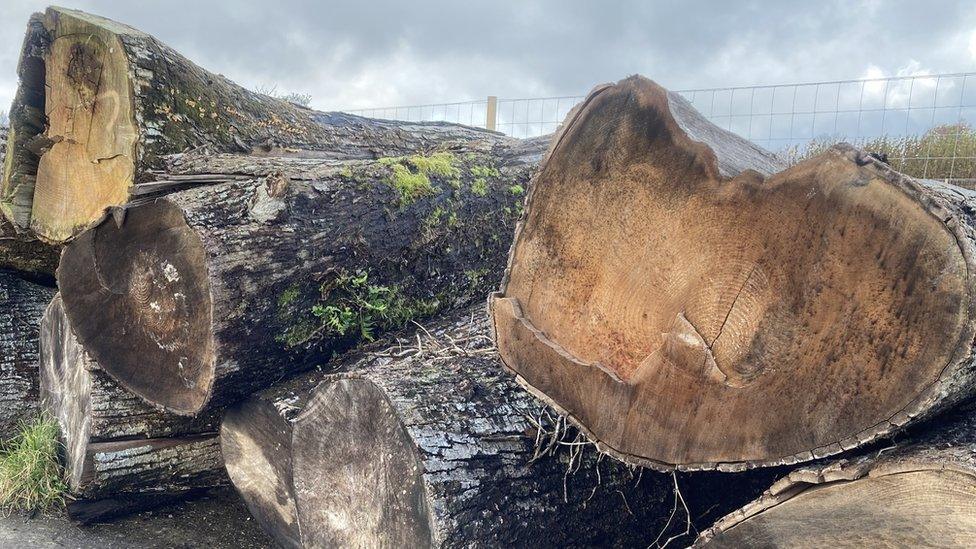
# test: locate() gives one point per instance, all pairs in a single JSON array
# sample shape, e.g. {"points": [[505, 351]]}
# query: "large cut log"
{"points": [[426, 441], [199, 299], [918, 492], [100, 104], [20, 318], [121, 455], [691, 308]]}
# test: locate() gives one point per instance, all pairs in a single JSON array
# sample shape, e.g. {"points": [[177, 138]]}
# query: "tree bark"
{"points": [[106, 103], [20, 318], [917, 492], [203, 297], [26, 255], [121, 455], [426, 442], [667, 288]]}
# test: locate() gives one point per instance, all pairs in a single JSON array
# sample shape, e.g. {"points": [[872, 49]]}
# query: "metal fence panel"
{"points": [[921, 122]]}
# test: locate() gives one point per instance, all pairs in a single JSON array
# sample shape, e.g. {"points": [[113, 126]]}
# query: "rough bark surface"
{"points": [[224, 289], [22, 253], [110, 102], [837, 292], [20, 318], [920, 491], [424, 441], [121, 455]]}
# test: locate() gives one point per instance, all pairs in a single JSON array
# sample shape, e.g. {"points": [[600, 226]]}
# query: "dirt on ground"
{"points": [[217, 521]]}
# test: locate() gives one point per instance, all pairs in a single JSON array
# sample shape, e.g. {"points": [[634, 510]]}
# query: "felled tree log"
{"points": [[121, 454], [427, 442], [104, 103], [690, 308], [203, 297], [20, 318], [921, 492]]}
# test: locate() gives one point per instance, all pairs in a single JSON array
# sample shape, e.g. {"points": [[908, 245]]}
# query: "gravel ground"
{"points": [[218, 521]]}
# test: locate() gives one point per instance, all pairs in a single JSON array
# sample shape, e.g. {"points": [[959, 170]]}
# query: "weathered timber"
{"points": [[199, 299], [425, 441], [20, 318], [121, 455], [105, 103], [667, 290], [23, 253], [919, 491]]}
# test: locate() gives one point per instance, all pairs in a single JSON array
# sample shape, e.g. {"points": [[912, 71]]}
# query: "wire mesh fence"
{"points": [[922, 123]]}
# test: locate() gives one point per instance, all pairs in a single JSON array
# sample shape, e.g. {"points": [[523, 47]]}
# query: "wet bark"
{"points": [[20, 318]]}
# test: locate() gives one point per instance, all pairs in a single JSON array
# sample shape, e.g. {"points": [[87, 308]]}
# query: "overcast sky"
{"points": [[373, 53]]}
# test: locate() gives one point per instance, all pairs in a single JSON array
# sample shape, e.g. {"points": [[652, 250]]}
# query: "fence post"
{"points": [[491, 113]]}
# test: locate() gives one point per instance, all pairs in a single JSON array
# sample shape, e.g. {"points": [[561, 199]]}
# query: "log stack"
{"points": [[681, 299], [210, 251]]}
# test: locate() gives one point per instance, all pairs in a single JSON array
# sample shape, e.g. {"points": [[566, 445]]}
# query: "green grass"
{"points": [[940, 153], [31, 477]]}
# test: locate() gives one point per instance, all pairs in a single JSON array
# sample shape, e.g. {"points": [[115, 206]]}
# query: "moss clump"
{"points": [[439, 164], [516, 190], [479, 187], [411, 186], [288, 296], [485, 171], [411, 174], [475, 276], [31, 477]]}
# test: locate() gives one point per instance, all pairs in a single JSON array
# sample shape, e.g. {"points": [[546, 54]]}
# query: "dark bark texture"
{"points": [[20, 318], [22, 253], [446, 451], [121, 454], [281, 255]]}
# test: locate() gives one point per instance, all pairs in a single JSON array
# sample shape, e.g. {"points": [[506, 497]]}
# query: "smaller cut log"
{"points": [[196, 300], [121, 454], [426, 442], [20, 317], [917, 492]]}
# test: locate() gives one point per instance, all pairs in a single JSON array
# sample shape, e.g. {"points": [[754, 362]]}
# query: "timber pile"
{"points": [[207, 257], [673, 292]]}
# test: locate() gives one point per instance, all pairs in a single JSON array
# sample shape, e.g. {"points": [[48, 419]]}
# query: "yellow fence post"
{"points": [[491, 114]]}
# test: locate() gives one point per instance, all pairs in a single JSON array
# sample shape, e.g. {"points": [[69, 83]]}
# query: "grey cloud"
{"points": [[376, 53]]}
